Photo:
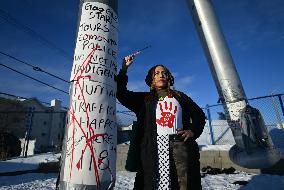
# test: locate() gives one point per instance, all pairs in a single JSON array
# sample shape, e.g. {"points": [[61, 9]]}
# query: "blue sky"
{"points": [[254, 31]]}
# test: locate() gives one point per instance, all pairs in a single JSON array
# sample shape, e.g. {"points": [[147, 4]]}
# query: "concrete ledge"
{"points": [[121, 157], [220, 159], [213, 158]]}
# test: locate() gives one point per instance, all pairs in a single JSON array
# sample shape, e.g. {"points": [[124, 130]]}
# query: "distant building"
{"points": [[34, 123]]}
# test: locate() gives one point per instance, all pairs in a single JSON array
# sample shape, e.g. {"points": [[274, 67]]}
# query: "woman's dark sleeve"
{"points": [[194, 116], [129, 99]]}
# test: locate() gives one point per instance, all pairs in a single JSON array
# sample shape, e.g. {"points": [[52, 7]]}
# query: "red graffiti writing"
{"points": [[167, 115], [102, 161]]}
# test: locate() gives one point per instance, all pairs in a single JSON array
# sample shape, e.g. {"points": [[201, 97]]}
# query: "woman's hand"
{"points": [[127, 61], [185, 133]]}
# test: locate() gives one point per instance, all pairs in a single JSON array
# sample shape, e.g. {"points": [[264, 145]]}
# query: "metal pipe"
{"points": [[221, 64], [218, 55], [248, 128], [210, 124]]}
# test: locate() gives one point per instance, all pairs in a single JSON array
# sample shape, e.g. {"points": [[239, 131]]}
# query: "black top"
{"points": [[143, 104]]}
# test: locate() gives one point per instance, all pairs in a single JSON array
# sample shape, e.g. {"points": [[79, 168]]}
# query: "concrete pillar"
{"points": [[89, 150]]}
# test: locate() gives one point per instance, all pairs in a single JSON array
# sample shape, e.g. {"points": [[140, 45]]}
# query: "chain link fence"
{"points": [[217, 130], [44, 130]]}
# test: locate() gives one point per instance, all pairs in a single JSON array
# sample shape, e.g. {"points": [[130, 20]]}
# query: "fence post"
{"points": [[282, 108], [209, 124], [28, 132], [278, 117]]}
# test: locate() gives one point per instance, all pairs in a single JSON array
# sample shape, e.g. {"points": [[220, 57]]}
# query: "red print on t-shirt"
{"points": [[168, 115]]}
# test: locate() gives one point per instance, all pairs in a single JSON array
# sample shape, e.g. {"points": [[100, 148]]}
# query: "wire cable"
{"points": [[122, 112], [7, 17], [4, 15], [34, 67], [34, 78]]}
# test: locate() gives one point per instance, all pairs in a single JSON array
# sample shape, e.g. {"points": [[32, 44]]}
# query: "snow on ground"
{"points": [[259, 182], [37, 181], [29, 163], [125, 181], [215, 147]]}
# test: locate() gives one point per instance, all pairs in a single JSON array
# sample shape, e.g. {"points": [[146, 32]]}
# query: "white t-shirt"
{"points": [[168, 116]]}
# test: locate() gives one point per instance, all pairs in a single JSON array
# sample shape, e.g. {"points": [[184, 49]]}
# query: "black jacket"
{"points": [[143, 104]]}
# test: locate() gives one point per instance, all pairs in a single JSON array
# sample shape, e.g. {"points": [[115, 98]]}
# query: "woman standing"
{"points": [[168, 122]]}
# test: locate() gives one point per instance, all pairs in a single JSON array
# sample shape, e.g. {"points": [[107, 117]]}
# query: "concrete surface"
{"points": [[213, 158]]}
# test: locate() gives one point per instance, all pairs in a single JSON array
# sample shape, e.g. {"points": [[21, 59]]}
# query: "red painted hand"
{"points": [[168, 116]]}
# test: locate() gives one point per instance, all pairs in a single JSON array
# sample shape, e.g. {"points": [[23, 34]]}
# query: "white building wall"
{"points": [[58, 124], [46, 130], [40, 123]]}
